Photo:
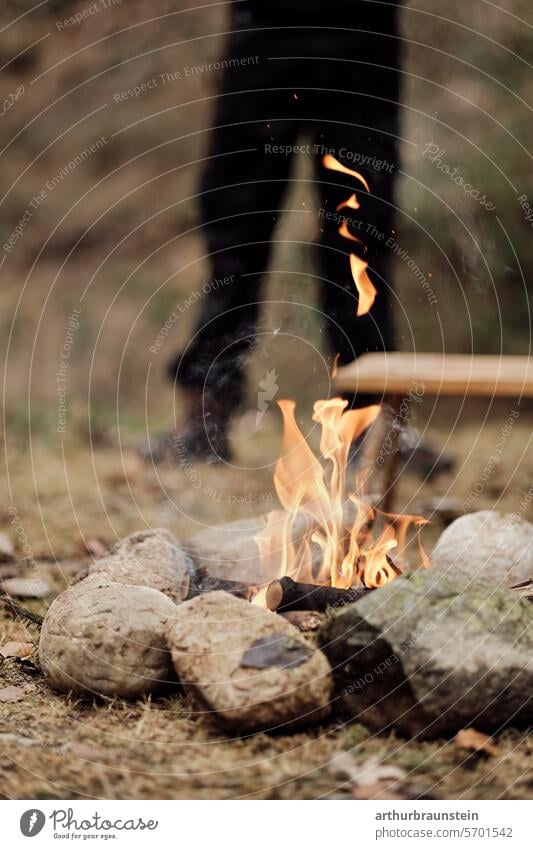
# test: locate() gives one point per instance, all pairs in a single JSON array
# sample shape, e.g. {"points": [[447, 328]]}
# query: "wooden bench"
{"points": [[397, 377]]}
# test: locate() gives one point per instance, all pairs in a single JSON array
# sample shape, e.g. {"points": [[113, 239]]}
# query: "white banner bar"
{"points": [[248, 825]]}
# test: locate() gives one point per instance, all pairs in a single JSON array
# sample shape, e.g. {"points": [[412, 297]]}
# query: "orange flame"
{"points": [[364, 285], [343, 231], [351, 203], [333, 164], [320, 537]]}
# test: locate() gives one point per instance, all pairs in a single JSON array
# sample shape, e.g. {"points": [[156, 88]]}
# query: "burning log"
{"points": [[285, 594]]}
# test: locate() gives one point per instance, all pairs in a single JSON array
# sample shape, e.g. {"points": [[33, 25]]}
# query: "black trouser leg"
{"points": [[348, 106], [242, 196]]}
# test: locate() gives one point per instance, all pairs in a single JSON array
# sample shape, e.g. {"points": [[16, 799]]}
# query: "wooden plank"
{"points": [[438, 374]]}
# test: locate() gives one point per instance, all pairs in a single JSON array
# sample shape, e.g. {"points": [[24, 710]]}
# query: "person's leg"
{"points": [[241, 198]]}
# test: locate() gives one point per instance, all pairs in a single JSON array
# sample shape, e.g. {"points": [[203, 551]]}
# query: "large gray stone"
{"points": [[249, 668], [433, 652], [151, 558], [489, 545], [107, 639]]}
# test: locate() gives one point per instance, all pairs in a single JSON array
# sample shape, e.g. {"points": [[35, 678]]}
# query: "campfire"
{"points": [[346, 543], [324, 536], [152, 613]]}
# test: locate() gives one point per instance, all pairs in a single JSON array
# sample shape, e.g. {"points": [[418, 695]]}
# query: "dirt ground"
{"points": [[55, 746], [117, 238]]}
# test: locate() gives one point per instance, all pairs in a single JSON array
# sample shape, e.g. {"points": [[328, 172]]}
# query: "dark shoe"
{"points": [[421, 459], [204, 436], [417, 458]]}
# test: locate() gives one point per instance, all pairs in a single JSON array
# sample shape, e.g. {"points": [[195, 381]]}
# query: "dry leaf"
{"points": [[82, 751], [7, 549], [96, 547], [368, 772], [9, 739], [381, 790], [14, 649], [15, 694], [26, 587], [9, 570], [470, 740], [370, 779]]}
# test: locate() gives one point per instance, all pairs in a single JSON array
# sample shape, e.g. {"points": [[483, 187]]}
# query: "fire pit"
{"points": [[247, 666]]}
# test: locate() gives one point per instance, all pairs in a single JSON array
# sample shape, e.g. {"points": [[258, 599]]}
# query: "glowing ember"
{"points": [[353, 540]]}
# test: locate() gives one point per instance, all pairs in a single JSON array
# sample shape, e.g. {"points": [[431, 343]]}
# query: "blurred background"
{"points": [[104, 128]]}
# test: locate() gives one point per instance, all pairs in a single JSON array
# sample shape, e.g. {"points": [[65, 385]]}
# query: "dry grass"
{"points": [[66, 748]]}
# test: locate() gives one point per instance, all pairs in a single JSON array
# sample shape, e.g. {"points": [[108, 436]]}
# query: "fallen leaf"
{"points": [[379, 790], [96, 547], [14, 649], [9, 570], [7, 549], [26, 587], [370, 779], [82, 750], [10, 739], [275, 650], [15, 694], [470, 740]]}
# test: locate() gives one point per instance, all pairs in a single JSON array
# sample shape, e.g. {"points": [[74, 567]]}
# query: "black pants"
{"points": [[337, 78]]}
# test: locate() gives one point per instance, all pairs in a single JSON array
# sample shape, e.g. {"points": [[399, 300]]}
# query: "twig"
{"points": [[21, 612]]}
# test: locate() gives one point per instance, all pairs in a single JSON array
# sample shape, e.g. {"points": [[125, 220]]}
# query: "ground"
{"points": [[115, 243], [63, 747]]}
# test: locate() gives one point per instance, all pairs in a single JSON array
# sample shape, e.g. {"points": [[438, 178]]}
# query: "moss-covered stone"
{"points": [[432, 652]]}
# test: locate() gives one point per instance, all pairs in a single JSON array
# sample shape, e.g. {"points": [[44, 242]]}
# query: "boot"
{"points": [[203, 436]]}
